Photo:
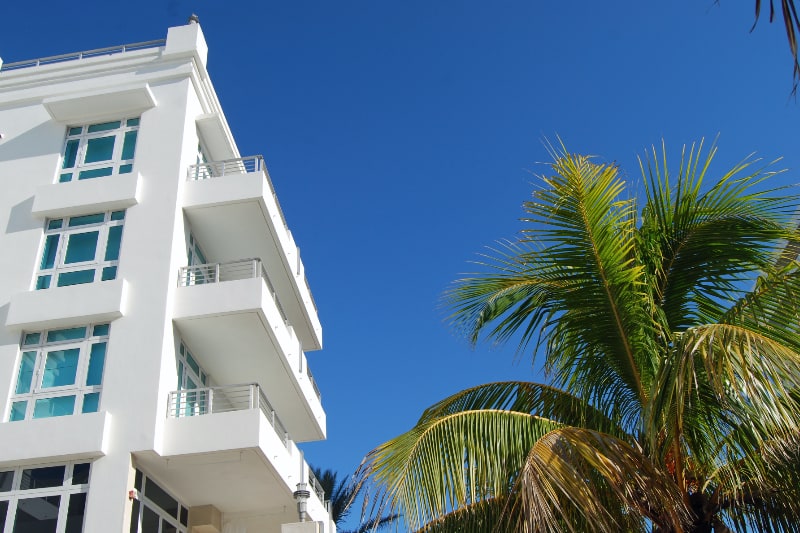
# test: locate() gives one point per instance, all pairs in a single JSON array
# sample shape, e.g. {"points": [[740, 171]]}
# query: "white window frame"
{"points": [[48, 275], [81, 136], [140, 484], [65, 490], [79, 389]]}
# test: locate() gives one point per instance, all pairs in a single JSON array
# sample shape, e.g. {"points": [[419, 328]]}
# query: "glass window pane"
{"points": [[91, 403], [77, 505], [99, 149], [55, 224], [94, 218], [41, 478], [109, 273], [132, 122], [49, 407], [158, 496], [149, 521], [66, 334], [135, 517], [49, 252], [100, 330], [60, 368], [81, 247], [104, 126], [184, 516], [95, 173], [17, 411], [117, 215], [25, 376], [3, 512], [75, 278], [31, 338], [76, 130], [125, 169], [96, 360], [70, 152], [43, 282], [129, 145], [6, 479], [112, 248], [80, 474], [137, 480], [166, 527], [64, 178], [192, 363], [37, 514]]}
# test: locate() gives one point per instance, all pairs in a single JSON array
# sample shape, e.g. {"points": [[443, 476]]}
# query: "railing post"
{"points": [[253, 396], [216, 273], [209, 401], [255, 267]]}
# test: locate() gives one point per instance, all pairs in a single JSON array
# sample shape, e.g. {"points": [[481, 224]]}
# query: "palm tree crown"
{"points": [[670, 334]]}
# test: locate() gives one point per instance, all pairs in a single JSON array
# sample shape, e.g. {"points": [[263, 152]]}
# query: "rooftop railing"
{"points": [[225, 399], [228, 167], [230, 271], [83, 55]]}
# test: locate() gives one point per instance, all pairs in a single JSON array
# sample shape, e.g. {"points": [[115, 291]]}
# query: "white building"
{"points": [[154, 311]]}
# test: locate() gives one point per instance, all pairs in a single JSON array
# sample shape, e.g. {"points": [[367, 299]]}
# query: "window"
{"points": [[60, 372], [80, 249], [191, 376], [157, 511], [97, 150], [44, 499]]}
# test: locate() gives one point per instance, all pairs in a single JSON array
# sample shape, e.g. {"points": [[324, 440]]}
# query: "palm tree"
{"points": [[670, 336], [341, 494], [791, 23]]}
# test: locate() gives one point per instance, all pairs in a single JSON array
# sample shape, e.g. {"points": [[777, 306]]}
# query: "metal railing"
{"points": [[313, 382], [229, 271], [314, 483], [84, 54], [228, 167], [209, 400]]}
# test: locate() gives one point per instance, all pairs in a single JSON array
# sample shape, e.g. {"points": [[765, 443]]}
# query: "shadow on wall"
{"points": [[44, 139], [20, 218]]}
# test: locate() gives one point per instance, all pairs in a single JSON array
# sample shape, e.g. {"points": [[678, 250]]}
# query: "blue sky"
{"points": [[402, 138]]}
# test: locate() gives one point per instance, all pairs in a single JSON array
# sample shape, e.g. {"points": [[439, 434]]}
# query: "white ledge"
{"points": [[100, 104], [108, 193]]}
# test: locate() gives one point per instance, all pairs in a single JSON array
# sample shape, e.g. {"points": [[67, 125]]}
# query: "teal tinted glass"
{"points": [[66, 177], [25, 376], [31, 338], [49, 252], [192, 363], [117, 215], [112, 247], [132, 122], [90, 402], [99, 149], [97, 359], [100, 330], [81, 247], [86, 219], [66, 334], [95, 173], [70, 153], [125, 169], [18, 411], [109, 273], [47, 407], [60, 368], [55, 223], [76, 130], [43, 282], [104, 126], [75, 278], [129, 145]]}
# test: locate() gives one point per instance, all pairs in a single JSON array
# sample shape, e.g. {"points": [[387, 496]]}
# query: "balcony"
{"points": [[235, 323], [232, 208], [225, 446]]}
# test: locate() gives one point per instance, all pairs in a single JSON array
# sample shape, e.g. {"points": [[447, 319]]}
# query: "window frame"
{"points": [[64, 491], [79, 388], [49, 275], [80, 138]]}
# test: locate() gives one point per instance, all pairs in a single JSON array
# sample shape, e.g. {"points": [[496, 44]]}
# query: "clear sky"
{"points": [[402, 138]]}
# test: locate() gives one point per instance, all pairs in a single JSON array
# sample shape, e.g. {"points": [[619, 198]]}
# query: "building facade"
{"points": [[154, 310]]}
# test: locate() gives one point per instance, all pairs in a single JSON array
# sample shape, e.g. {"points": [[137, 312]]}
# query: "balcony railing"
{"points": [[228, 167], [210, 400], [85, 54], [314, 483], [230, 271]]}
